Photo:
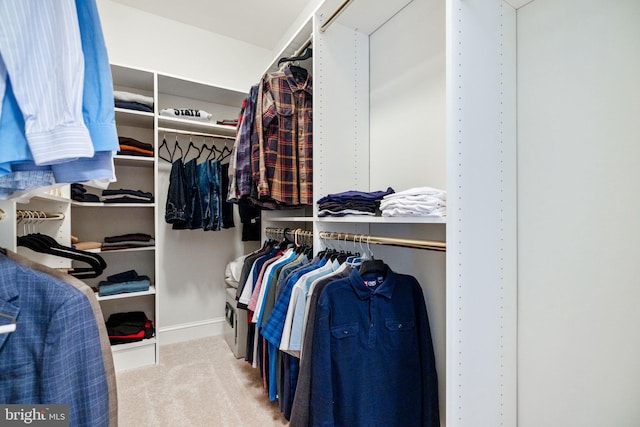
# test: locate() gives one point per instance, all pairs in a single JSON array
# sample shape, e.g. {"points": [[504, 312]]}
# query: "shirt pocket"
{"points": [[400, 333], [344, 340]]}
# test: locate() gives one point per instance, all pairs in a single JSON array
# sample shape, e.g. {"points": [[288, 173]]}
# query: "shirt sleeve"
{"points": [[321, 400]]}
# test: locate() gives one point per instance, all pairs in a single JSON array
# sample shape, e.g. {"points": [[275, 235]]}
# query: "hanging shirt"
{"points": [[372, 356], [281, 163]]}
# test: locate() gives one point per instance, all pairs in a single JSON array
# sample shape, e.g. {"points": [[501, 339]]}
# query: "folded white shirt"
{"points": [[399, 211], [418, 191], [187, 113], [123, 96]]}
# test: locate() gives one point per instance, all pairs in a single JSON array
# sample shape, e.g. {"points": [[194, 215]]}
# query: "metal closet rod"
{"points": [[431, 245], [335, 15], [187, 132]]}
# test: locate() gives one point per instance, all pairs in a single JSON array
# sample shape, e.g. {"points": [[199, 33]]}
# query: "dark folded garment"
{"points": [[125, 276], [129, 327], [126, 199], [134, 153], [124, 191], [133, 106], [141, 237], [124, 140]]}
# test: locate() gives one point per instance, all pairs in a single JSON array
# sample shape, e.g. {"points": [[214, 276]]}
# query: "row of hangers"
{"points": [[42, 243], [209, 152]]}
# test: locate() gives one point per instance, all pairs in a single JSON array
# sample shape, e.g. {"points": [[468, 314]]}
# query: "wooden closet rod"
{"points": [[188, 132], [389, 241], [335, 15]]}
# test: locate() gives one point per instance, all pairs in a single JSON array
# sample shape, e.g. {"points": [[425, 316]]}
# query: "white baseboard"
{"points": [[191, 331]]}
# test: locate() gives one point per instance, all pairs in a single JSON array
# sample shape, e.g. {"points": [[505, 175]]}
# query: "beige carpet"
{"points": [[197, 383]]}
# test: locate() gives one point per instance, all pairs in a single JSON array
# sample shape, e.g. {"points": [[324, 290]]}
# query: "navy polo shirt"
{"points": [[372, 356]]}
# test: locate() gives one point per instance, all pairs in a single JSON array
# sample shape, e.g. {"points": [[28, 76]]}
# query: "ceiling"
{"points": [[259, 22]]}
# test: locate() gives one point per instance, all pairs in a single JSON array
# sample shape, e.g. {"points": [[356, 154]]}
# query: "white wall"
{"points": [[139, 39], [578, 227]]}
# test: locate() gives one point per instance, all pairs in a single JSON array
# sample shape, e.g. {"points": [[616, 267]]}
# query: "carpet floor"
{"points": [[197, 383]]}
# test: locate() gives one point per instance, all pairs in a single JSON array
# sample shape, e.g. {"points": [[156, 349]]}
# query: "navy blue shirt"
{"points": [[372, 356]]}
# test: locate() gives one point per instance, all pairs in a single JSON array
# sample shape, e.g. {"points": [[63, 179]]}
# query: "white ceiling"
{"points": [[259, 22]]}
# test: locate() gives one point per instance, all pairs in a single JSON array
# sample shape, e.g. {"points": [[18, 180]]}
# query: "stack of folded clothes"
{"points": [[127, 241], [418, 201], [79, 194], [133, 147], [351, 203], [133, 101], [129, 327], [126, 196], [125, 282]]}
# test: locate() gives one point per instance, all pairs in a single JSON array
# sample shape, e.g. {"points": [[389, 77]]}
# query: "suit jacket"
{"points": [[54, 355], [105, 345]]}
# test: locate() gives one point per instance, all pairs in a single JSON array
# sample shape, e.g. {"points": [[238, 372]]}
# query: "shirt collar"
{"points": [[307, 86], [385, 289]]}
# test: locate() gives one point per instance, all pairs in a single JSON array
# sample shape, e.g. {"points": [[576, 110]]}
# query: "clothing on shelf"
{"points": [[133, 101], [127, 241], [125, 282], [75, 142], [133, 147], [129, 327], [59, 352], [352, 203], [227, 122], [187, 113], [273, 151], [418, 201], [123, 195]]}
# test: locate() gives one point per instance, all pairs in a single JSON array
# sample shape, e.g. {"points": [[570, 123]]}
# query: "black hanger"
{"points": [[224, 153], [176, 147], [166, 146], [48, 245], [372, 265], [191, 145], [308, 53]]}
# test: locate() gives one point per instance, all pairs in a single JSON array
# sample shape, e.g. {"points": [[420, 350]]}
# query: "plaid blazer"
{"points": [[54, 355]]}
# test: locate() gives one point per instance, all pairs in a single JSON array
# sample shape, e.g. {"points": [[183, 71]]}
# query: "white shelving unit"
{"points": [[401, 99]]}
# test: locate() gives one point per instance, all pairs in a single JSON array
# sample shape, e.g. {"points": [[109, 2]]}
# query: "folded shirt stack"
{"points": [[128, 241], [351, 203], [125, 282], [79, 194], [187, 113], [133, 101], [418, 201], [126, 196], [133, 147]]}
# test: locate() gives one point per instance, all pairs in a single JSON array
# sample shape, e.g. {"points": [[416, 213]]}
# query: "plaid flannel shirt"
{"points": [[282, 158]]}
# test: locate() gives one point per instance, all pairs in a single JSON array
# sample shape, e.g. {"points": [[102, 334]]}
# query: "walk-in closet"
{"points": [[319, 213]]}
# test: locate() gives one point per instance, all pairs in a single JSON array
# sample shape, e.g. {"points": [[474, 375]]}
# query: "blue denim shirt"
{"points": [[372, 357]]}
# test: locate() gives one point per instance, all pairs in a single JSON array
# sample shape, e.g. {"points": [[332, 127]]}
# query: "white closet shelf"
{"points": [[126, 117], [133, 160], [194, 126], [151, 291], [111, 205], [131, 345], [386, 220], [141, 249], [290, 219]]}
